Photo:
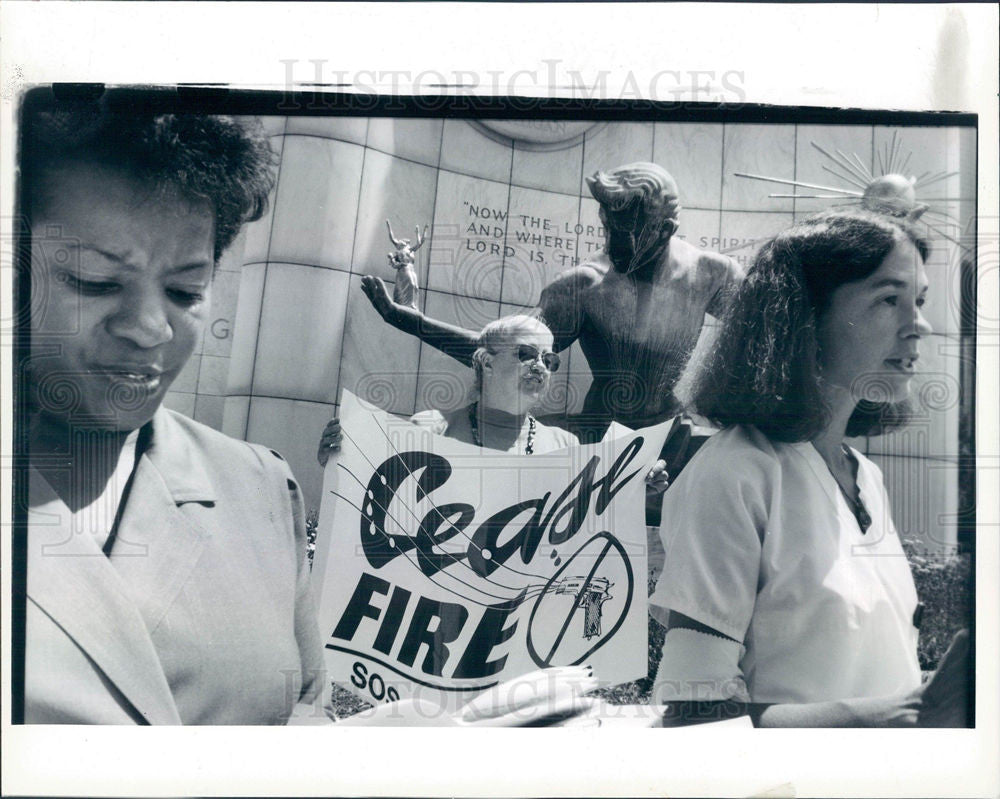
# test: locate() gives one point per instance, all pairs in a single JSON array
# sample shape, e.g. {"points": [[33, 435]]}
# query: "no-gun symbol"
{"points": [[590, 596], [551, 616]]}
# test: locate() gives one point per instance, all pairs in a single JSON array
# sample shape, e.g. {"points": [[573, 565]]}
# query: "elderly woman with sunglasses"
{"points": [[514, 364]]}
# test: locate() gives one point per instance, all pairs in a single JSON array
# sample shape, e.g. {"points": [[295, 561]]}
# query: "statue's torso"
{"points": [[639, 334]]}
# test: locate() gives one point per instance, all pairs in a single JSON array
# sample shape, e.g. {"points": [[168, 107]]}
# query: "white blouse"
{"points": [[762, 546], [548, 438]]}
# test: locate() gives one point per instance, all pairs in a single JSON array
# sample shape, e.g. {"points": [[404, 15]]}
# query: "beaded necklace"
{"points": [[529, 446]]}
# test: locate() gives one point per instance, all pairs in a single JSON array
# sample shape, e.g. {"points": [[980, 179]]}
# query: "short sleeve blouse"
{"points": [[761, 546], [548, 438]]}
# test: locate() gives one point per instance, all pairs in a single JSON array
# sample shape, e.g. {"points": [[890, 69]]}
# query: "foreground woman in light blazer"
{"points": [[167, 573], [167, 581]]}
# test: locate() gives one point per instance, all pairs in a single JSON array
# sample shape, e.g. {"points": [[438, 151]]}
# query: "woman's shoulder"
{"points": [[741, 453], [433, 420], [230, 459], [251, 476], [176, 426], [741, 441], [558, 438]]}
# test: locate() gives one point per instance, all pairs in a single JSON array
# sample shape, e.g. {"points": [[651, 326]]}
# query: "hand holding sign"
{"points": [[657, 479], [330, 441]]}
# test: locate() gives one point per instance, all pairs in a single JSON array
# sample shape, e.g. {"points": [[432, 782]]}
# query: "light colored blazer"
{"points": [[203, 612]]}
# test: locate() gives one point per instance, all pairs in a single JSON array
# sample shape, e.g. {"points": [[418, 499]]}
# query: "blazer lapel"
{"points": [[71, 580], [158, 546]]}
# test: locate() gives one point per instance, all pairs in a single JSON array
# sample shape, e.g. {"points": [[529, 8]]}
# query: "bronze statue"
{"points": [[402, 260], [637, 309]]}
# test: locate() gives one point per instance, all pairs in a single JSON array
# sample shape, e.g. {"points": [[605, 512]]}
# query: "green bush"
{"points": [[944, 586], [312, 523]]}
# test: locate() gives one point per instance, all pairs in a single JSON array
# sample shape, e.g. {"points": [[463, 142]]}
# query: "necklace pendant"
{"points": [[864, 520]]}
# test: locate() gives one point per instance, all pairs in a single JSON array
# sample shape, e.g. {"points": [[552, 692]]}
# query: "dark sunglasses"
{"points": [[527, 353]]}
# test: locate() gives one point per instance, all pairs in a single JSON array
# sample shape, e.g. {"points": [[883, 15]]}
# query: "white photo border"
{"points": [[912, 57]]}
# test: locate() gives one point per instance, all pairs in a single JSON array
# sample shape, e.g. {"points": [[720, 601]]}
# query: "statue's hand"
{"points": [[375, 290]]}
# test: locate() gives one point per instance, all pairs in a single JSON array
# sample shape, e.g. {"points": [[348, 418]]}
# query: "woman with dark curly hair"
{"points": [[167, 574], [166, 562], [785, 590]]}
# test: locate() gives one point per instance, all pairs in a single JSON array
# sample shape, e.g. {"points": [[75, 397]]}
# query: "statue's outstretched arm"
{"points": [[421, 237], [562, 305], [396, 242], [452, 340]]}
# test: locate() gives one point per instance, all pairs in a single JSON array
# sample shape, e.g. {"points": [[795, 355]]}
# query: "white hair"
{"points": [[497, 334]]}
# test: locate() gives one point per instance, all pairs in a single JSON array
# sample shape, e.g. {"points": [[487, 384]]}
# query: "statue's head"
{"points": [[639, 211]]}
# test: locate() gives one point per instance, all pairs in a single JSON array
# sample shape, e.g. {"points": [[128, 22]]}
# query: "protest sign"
{"points": [[447, 568]]}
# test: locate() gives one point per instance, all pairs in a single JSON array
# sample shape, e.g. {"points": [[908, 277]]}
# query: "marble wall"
{"points": [[297, 329]]}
